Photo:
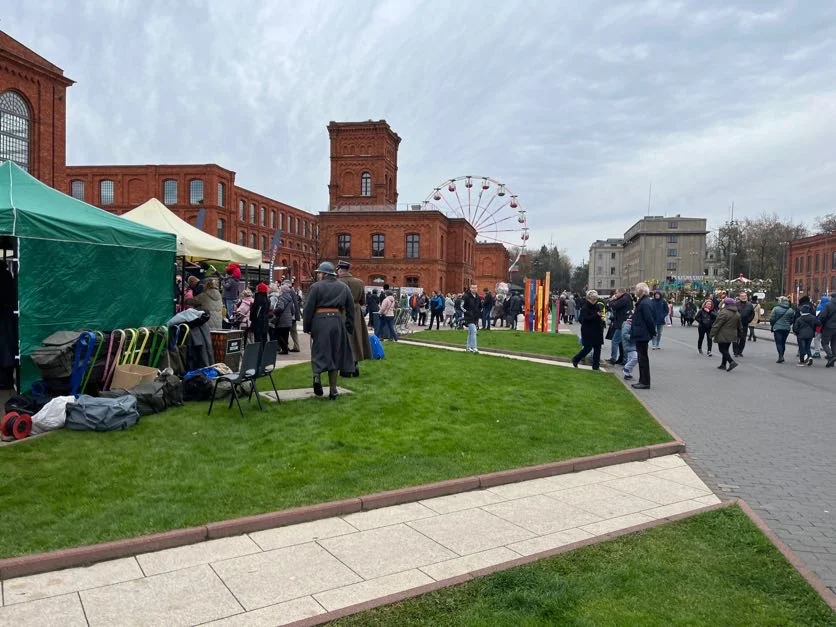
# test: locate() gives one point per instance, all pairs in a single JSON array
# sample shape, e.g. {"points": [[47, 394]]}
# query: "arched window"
{"points": [[272, 218], [365, 184], [252, 240], [242, 210], [262, 217], [264, 243], [413, 246], [221, 228], [242, 238], [15, 129], [169, 192], [378, 244], [252, 213], [281, 221], [106, 192], [343, 245], [77, 189], [412, 281], [221, 194], [196, 192]]}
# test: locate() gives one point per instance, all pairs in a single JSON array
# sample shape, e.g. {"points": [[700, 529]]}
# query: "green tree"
{"points": [[580, 278]]}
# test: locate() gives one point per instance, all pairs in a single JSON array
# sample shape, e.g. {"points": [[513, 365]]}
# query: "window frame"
{"points": [[221, 229], [262, 216], [412, 248], [366, 184], [344, 245], [673, 224], [166, 197], [673, 252], [253, 211], [412, 280], [242, 210], [194, 197], [378, 253], [221, 194], [18, 135], [111, 195], [72, 189]]}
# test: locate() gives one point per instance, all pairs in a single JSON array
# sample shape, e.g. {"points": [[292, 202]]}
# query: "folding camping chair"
{"points": [[247, 373], [402, 321], [267, 364]]}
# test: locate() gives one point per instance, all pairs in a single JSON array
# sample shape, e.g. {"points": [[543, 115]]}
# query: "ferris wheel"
{"points": [[490, 207]]}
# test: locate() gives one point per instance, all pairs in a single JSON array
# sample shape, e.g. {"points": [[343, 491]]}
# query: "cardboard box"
{"points": [[130, 375]]}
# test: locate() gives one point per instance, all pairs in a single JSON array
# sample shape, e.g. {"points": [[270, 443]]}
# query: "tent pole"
{"points": [[16, 275], [182, 282]]}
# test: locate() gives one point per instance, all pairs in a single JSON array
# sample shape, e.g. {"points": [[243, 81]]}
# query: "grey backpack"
{"points": [[102, 414]]}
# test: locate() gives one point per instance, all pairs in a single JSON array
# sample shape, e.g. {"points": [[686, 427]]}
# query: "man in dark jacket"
{"points": [[747, 314], [644, 328], [472, 308], [592, 330], [827, 319], [660, 312], [804, 328], [487, 305], [372, 308], [620, 305]]}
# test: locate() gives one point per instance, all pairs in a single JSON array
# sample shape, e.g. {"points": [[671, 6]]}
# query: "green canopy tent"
{"points": [[77, 266]]}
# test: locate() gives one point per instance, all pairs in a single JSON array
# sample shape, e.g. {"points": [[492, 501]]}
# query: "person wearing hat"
{"points": [[196, 287], [258, 313], [726, 331], [328, 317], [360, 346]]}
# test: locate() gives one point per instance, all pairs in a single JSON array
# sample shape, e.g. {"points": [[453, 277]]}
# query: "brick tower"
{"points": [[364, 165]]}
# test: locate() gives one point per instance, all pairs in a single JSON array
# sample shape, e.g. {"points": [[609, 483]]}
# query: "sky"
{"points": [[580, 108]]}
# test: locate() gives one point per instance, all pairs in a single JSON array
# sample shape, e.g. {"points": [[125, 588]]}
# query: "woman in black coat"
{"points": [[258, 313], [592, 330]]}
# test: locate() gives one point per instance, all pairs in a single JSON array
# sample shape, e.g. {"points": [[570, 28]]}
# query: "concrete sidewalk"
{"points": [[285, 574]]}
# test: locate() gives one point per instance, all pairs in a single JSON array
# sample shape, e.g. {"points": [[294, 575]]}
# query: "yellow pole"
{"points": [[546, 301], [539, 323]]}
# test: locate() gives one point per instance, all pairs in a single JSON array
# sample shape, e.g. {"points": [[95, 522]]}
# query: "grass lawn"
{"points": [[713, 569], [420, 415], [553, 344]]}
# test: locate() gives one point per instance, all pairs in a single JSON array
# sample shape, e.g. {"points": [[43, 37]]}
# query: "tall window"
{"points": [[77, 191], [343, 245], [281, 221], [242, 210], [264, 243], [272, 218], [297, 225], [378, 243], [809, 263], [412, 281], [169, 192], [221, 194], [106, 192], [242, 238], [671, 266], [817, 262], [833, 260], [262, 216], [366, 184], [672, 239], [252, 240], [673, 252], [252, 213], [413, 246], [196, 191], [15, 124], [221, 228]]}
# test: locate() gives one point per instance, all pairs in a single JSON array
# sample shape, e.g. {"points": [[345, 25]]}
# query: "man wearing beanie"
{"points": [[726, 331]]}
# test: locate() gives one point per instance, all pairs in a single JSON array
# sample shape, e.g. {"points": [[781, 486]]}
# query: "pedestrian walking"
{"points": [[753, 323], [514, 310], [804, 328], [705, 320], [631, 356], [660, 313], [436, 309], [373, 309], [487, 305], [780, 324], [620, 307], [747, 314], [360, 346], [726, 331], [827, 319], [472, 308], [643, 330], [329, 319], [592, 331]]}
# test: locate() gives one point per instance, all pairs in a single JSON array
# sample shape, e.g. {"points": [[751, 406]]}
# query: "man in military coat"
{"points": [[360, 346]]}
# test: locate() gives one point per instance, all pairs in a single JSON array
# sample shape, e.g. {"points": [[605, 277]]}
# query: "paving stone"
{"points": [[386, 550], [603, 501], [182, 597], [385, 516], [470, 531], [549, 484], [464, 500], [263, 579], [550, 541], [616, 524], [667, 461], [541, 514], [60, 582], [300, 534], [298, 394], [279, 614], [469, 563], [65, 611], [195, 554], [683, 475], [707, 500], [656, 489], [629, 469], [372, 589], [673, 509]]}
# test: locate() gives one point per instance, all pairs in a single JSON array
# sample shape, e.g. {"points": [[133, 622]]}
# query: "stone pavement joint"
{"points": [[308, 570]]}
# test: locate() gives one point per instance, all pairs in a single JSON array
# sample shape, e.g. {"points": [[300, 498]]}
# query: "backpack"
{"points": [[198, 387], [377, 347], [54, 358]]}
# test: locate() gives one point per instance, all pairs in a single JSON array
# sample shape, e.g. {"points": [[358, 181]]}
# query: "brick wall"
{"points": [[811, 266]]}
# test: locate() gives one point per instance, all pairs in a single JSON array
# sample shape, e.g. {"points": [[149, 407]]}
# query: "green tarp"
{"points": [[80, 267]]}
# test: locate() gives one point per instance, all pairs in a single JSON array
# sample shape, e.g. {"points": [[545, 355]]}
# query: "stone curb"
{"points": [[521, 561], [86, 555], [498, 351], [803, 570]]}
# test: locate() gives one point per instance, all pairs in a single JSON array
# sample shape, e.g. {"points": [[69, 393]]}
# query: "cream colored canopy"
{"points": [[191, 241]]}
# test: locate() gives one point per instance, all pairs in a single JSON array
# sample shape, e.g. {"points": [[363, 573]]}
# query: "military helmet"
{"points": [[326, 267]]}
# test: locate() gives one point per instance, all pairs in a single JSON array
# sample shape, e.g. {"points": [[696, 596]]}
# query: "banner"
{"points": [[274, 251]]}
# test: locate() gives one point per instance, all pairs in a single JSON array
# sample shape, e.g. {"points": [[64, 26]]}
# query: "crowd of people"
{"points": [[635, 324]]}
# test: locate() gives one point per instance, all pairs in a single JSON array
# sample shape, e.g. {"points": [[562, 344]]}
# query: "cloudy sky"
{"points": [[576, 106]]}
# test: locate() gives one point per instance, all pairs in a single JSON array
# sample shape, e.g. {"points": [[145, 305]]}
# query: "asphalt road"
{"points": [[765, 432]]}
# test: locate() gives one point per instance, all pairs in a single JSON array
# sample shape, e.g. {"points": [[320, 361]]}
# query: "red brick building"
{"points": [[411, 247], [32, 112], [811, 266]]}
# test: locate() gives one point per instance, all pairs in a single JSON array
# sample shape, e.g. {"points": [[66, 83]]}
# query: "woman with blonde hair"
{"points": [[210, 301]]}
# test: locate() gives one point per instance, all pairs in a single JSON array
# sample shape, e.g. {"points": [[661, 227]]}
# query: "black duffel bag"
{"points": [[88, 413]]}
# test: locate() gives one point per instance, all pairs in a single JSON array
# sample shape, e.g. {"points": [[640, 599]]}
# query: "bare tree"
{"points": [[826, 223]]}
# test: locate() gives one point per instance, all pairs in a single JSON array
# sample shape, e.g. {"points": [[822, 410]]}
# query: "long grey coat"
{"points": [[330, 348], [360, 345]]}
